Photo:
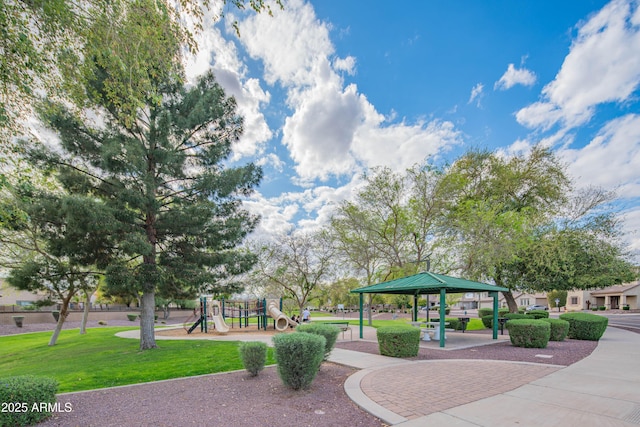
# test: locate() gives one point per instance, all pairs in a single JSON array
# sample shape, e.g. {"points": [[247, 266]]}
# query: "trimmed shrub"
{"points": [[529, 333], [26, 391], [329, 332], [253, 355], [487, 321], [482, 312], [585, 326], [502, 311], [299, 356], [132, 317], [602, 308], [538, 314], [398, 341], [454, 323], [625, 307], [559, 329], [512, 316]]}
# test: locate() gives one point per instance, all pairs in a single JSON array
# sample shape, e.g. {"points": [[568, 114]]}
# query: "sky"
{"points": [[330, 89]]}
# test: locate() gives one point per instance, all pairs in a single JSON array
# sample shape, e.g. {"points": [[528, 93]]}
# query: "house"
{"points": [[10, 296], [612, 297], [471, 301], [615, 297]]}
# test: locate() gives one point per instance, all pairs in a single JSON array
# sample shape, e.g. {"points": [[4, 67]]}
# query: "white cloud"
{"points": [[221, 56], [271, 160], [631, 229], [602, 66], [400, 146], [611, 159], [293, 44], [476, 94], [513, 77], [333, 130], [347, 64], [319, 133]]}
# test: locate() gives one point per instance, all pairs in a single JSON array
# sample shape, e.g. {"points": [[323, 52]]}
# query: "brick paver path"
{"points": [[421, 388]]}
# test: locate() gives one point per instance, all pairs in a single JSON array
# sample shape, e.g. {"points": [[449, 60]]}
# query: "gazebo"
{"points": [[431, 283]]}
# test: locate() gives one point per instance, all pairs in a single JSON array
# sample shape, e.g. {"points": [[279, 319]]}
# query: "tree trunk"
{"points": [[64, 310], [85, 313], [511, 302], [147, 325]]}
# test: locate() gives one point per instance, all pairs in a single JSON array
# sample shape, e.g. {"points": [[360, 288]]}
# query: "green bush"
{"points": [[253, 355], [502, 311], [132, 317], [454, 323], [329, 332], [487, 321], [512, 316], [299, 356], [625, 307], [482, 312], [529, 333], [34, 396], [538, 314], [559, 329], [398, 341], [585, 326], [602, 308]]}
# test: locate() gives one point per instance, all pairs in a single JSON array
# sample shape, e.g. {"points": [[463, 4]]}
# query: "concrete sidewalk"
{"points": [[602, 389]]}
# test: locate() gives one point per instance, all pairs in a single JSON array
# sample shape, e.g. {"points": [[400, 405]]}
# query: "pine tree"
{"points": [[177, 209]]}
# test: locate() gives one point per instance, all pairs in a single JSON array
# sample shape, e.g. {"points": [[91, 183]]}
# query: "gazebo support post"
{"points": [[361, 309], [443, 312], [495, 314], [415, 308]]}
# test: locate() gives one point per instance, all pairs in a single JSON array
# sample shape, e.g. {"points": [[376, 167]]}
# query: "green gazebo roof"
{"points": [[428, 283]]}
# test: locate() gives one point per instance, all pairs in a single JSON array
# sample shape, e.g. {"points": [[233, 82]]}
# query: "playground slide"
{"points": [[282, 320], [218, 320]]}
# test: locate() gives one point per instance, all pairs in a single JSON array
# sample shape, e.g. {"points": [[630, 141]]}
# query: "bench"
{"points": [[343, 326]]}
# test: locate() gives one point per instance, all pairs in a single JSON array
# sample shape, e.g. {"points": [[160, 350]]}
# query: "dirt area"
{"points": [[181, 332]]}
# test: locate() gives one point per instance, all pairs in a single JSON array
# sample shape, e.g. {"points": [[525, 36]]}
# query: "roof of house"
{"points": [[617, 289]]}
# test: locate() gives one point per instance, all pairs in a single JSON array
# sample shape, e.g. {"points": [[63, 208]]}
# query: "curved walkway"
{"points": [[602, 389]]}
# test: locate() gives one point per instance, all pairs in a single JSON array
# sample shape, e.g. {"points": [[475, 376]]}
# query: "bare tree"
{"points": [[296, 265]]}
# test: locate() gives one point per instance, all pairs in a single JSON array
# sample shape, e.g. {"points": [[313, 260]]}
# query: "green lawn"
{"points": [[100, 359]]}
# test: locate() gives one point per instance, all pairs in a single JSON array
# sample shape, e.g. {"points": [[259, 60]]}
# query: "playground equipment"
{"points": [[218, 320], [221, 312], [199, 317], [282, 321]]}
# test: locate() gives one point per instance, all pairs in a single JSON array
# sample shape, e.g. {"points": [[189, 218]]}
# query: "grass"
{"points": [[100, 359]]}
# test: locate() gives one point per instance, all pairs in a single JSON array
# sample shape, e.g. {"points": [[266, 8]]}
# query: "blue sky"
{"points": [[331, 88]]}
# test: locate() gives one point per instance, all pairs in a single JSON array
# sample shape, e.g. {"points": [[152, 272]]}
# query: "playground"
{"points": [[222, 317]]}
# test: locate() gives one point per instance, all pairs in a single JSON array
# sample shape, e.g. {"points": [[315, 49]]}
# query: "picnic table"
{"points": [[428, 328]]}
